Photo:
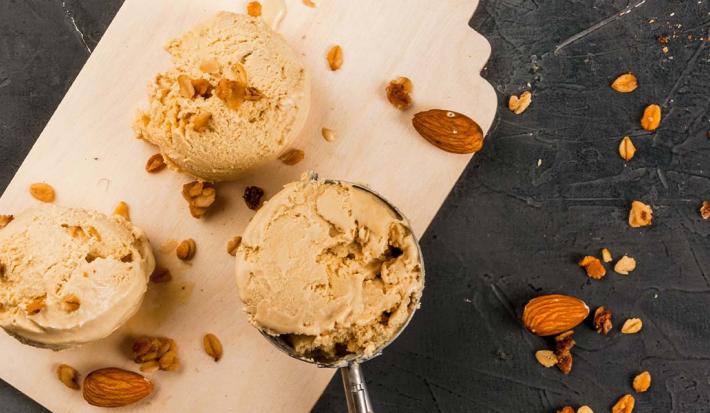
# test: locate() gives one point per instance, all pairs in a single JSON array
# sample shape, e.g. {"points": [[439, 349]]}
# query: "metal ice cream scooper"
{"points": [[356, 394]]}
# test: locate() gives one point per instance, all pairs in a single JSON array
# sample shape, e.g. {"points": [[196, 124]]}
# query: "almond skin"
{"points": [[552, 314], [448, 130], [114, 387]]}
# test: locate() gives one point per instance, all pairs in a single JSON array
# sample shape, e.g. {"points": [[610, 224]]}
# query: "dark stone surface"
{"points": [[510, 229]]}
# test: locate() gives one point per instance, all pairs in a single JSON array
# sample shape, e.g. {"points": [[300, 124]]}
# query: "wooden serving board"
{"points": [[88, 153]]}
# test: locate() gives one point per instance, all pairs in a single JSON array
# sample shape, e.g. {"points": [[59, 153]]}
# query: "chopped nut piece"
{"points": [[202, 87], [624, 405], [160, 275], [213, 347], [74, 231], [584, 409], [309, 3], [252, 94], [593, 266], [651, 117], [185, 85], [36, 305], [704, 212], [398, 92], [642, 382], [70, 303], [254, 9], [200, 196], [5, 219], [632, 326], [602, 320], [252, 197], [69, 376], [186, 249], [122, 209], [292, 156], [231, 92], [152, 352], [546, 357], [563, 344], [519, 104], [93, 232], [627, 150], [232, 245], [625, 83], [200, 120], [566, 409], [42, 192], [335, 57], [155, 163], [240, 73], [210, 66], [328, 134], [664, 39], [606, 255], [625, 265], [640, 214]]}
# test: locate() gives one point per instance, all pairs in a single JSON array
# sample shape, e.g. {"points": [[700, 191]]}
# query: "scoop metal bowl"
{"points": [[356, 394]]}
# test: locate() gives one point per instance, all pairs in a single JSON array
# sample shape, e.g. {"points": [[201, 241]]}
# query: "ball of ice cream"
{"points": [[70, 276], [236, 96], [331, 267]]}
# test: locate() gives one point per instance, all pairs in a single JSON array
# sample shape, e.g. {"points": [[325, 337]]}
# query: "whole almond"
{"points": [[69, 376], [624, 405], [448, 130], [642, 382], [632, 326], [552, 314], [625, 83], [213, 347], [627, 150], [651, 118], [155, 163], [42, 192], [114, 387]]}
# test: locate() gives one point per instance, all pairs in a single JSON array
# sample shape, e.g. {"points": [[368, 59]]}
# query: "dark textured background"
{"points": [[510, 229]]}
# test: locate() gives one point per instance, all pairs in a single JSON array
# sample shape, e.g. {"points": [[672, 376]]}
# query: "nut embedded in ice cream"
{"points": [[70, 275], [331, 268]]}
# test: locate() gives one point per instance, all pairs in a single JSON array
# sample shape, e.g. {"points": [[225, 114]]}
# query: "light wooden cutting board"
{"points": [[88, 153]]}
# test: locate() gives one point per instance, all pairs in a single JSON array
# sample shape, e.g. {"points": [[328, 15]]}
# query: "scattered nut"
{"points": [[252, 197], [584, 409], [309, 3], [563, 344], [398, 92], [232, 245], [627, 150], [186, 249], [565, 409], [200, 196], [546, 357], [328, 134], [69, 376], [642, 382], [114, 387], [663, 39], [213, 347], [5, 219], [594, 267], [160, 275], [122, 209], [519, 104], [640, 214], [254, 9], [624, 405], [292, 156], [448, 130], [70, 303], [704, 212], [231, 92], [625, 83], [159, 350], [606, 255], [625, 265], [210, 66], [552, 314], [35, 306], [602, 320], [651, 117], [335, 57], [155, 163], [632, 326], [42, 192]]}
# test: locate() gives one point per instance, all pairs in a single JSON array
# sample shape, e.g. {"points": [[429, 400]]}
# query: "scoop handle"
{"points": [[355, 390]]}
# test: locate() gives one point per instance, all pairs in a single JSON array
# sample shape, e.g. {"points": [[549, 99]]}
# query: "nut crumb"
{"points": [[642, 382], [625, 83], [518, 104], [254, 9], [625, 265], [704, 212], [602, 320], [5, 219], [253, 197], [627, 150], [160, 275], [122, 209], [292, 156], [651, 118], [632, 326], [155, 353], [335, 57], [328, 134], [606, 255], [398, 92], [213, 347], [42, 192], [185, 251], [233, 244], [640, 214], [593, 266], [69, 376], [156, 163], [546, 357], [563, 344], [70, 303], [624, 405]]}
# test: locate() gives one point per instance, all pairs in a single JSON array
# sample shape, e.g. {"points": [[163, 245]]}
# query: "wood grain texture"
{"points": [[87, 152]]}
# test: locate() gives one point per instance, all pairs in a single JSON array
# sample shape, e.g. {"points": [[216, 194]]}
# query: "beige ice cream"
{"points": [[330, 266], [233, 141], [70, 276]]}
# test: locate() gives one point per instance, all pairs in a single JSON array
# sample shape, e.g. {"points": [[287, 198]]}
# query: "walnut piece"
{"points": [[625, 265], [632, 326], [627, 150], [69, 376], [253, 197], [160, 275], [199, 196], [150, 352], [335, 57], [518, 104], [5, 219], [625, 83], [593, 266], [642, 382], [563, 344], [42, 192], [190, 88], [606, 255], [213, 347], [254, 9], [185, 251], [624, 405], [602, 320], [231, 93], [651, 118], [292, 156], [70, 303], [704, 212], [233, 244], [122, 210], [398, 92], [640, 214]]}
